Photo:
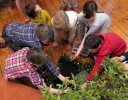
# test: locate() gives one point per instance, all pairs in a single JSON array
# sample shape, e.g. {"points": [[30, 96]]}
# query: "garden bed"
{"points": [[66, 65]]}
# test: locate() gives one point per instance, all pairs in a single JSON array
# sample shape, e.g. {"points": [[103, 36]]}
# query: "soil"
{"points": [[67, 68]]}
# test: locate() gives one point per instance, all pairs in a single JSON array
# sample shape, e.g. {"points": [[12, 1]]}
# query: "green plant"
{"points": [[111, 85]]}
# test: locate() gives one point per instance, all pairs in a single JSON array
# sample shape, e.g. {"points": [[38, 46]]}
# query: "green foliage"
{"points": [[111, 85]]}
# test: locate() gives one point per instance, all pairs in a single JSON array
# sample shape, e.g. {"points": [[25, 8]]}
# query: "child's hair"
{"points": [[89, 8], [30, 9], [37, 56], [43, 31], [92, 41], [60, 20]]}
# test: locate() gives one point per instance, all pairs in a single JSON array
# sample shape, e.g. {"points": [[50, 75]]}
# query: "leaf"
{"points": [[53, 96], [50, 86], [72, 75]]}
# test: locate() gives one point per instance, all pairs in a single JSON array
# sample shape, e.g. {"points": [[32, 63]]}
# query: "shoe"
{"points": [[2, 43], [76, 9]]}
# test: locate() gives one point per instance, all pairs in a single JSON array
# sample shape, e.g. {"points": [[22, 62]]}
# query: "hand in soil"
{"points": [[55, 45], [68, 47]]}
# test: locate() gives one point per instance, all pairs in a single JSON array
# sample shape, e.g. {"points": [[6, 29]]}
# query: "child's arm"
{"points": [[70, 38], [71, 34], [78, 51], [47, 18], [55, 91], [56, 37], [63, 78]]}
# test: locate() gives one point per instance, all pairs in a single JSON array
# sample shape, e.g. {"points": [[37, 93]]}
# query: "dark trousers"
{"points": [[11, 43]]}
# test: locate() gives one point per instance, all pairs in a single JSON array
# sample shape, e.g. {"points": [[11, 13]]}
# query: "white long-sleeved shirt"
{"points": [[100, 24]]}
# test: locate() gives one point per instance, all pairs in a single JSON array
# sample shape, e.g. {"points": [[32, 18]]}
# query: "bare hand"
{"points": [[55, 45], [65, 91], [120, 59], [67, 78], [82, 87], [76, 55], [68, 47]]}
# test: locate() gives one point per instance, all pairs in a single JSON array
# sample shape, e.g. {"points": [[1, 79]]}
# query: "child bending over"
{"points": [[68, 23], [25, 63], [92, 21]]}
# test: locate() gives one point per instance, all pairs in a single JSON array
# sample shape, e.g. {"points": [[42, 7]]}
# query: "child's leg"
{"points": [[74, 5], [21, 6], [78, 36], [63, 4]]}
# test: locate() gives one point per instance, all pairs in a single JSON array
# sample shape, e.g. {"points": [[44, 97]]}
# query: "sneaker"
{"points": [[2, 43], [76, 9]]}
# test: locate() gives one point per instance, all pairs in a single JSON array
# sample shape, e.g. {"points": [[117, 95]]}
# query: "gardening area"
{"points": [[110, 84]]}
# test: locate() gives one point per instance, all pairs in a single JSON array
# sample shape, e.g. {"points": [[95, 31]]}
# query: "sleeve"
{"points": [[52, 68], [56, 34], [93, 29], [36, 44], [82, 28], [32, 20], [71, 34], [48, 18], [82, 23], [96, 68], [37, 80]]}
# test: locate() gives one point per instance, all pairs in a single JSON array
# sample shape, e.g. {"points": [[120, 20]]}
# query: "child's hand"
{"points": [[68, 47], [120, 59], [66, 78], [55, 45], [44, 49], [76, 55], [83, 86], [65, 91]]}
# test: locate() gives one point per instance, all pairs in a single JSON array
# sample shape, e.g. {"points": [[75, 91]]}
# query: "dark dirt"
{"points": [[67, 68]]}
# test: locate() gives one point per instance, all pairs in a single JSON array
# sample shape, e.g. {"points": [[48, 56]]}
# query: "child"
{"points": [[122, 58], [68, 23], [92, 21], [19, 35], [37, 14], [24, 64], [101, 46]]}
